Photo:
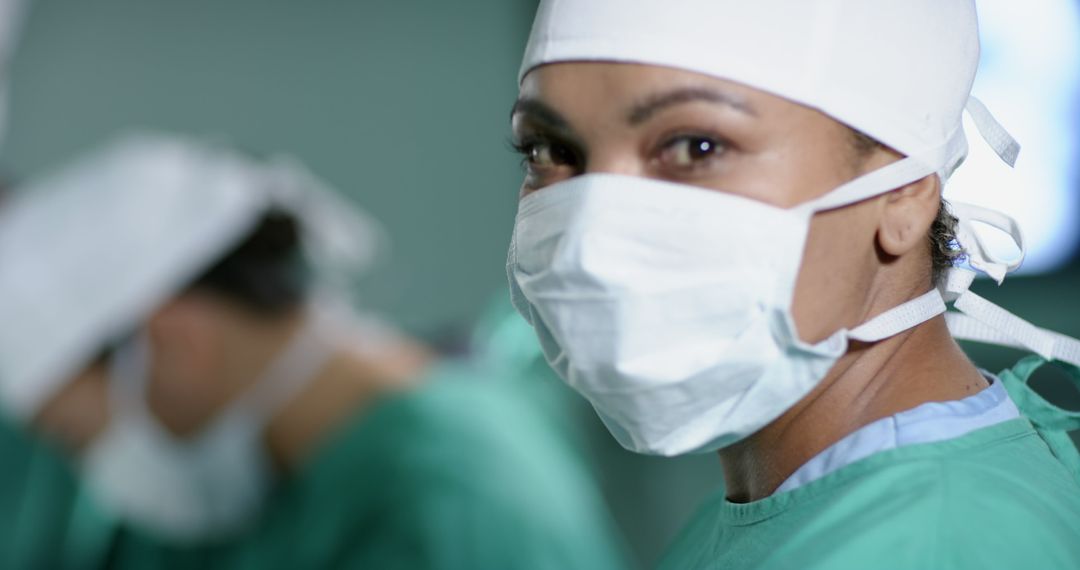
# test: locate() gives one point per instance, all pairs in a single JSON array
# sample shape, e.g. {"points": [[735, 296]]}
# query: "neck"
{"points": [[349, 382], [870, 382]]}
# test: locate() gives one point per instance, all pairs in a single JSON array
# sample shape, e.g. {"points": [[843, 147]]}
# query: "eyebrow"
{"points": [[540, 112], [653, 105]]}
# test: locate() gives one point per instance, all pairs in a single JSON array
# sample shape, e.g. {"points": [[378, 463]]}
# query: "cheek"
{"points": [[77, 414], [187, 382], [783, 176], [184, 398], [836, 274]]}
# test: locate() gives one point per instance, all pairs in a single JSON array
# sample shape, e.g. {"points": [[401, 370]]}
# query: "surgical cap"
{"points": [[900, 71], [89, 251]]}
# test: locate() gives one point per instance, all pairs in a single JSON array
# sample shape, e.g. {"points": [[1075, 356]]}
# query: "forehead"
{"points": [[556, 80], [615, 85]]}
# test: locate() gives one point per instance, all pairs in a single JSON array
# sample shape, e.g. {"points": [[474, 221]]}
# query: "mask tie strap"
{"points": [[1052, 422], [129, 367], [979, 320], [976, 252], [921, 164], [304, 355], [900, 318], [995, 135], [881, 181], [1007, 149]]}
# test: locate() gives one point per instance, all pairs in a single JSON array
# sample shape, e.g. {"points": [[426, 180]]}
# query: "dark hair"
{"points": [[265, 272], [944, 249]]}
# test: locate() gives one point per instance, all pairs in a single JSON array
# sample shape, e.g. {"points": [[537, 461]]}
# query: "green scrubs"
{"points": [[462, 473], [32, 515], [1006, 496], [45, 520], [468, 471]]}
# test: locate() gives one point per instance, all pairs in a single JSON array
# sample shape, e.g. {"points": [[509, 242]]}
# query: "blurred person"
{"points": [[167, 324], [731, 237]]}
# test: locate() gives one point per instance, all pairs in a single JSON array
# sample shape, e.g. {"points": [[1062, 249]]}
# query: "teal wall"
{"points": [[403, 104]]}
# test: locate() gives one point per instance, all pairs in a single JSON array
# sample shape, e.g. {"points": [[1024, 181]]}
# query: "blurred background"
{"points": [[404, 106]]}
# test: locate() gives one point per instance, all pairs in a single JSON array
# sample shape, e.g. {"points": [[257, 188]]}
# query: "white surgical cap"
{"points": [[900, 71], [88, 252]]}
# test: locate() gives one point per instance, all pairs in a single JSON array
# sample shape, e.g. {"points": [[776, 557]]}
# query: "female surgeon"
{"points": [[731, 236], [165, 323]]}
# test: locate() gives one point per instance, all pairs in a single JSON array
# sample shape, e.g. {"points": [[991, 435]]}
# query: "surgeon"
{"points": [[173, 323], [731, 238]]}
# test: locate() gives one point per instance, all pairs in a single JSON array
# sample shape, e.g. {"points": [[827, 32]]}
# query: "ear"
{"points": [[907, 216]]}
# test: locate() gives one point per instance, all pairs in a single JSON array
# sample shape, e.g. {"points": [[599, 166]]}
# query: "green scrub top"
{"points": [[1006, 496], [463, 473], [45, 520], [31, 516]]}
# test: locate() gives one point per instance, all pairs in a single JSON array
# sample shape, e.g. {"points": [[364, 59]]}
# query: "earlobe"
{"points": [[907, 216]]}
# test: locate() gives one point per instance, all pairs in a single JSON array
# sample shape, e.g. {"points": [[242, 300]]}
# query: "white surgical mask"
{"points": [[669, 306], [211, 485]]}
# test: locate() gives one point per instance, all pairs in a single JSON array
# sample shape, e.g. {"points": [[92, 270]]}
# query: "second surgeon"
{"points": [[164, 324]]}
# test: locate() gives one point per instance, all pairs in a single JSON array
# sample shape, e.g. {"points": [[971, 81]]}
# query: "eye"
{"points": [[547, 161], [541, 154], [690, 151]]}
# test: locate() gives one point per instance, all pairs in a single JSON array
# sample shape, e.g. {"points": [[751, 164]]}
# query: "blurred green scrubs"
{"points": [[465, 472], [1006, 496]]}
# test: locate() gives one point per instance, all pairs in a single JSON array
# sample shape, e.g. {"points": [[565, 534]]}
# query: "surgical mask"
{"points": [[210, 486], [669, 306]]}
